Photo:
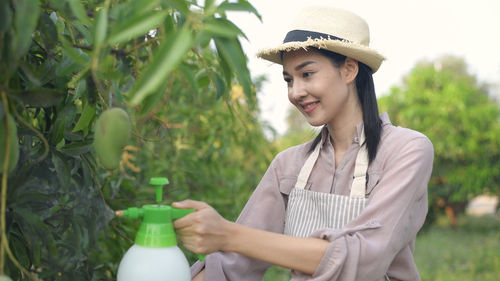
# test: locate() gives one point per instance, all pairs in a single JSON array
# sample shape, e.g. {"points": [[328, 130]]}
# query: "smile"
{"points": [[309, 106]]}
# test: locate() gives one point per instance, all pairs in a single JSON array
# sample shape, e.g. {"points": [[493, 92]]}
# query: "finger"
{"points": [[186, 236], [189, 240], [184, 222], [190, 204]]}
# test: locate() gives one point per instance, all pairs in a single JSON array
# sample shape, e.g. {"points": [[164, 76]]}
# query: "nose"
{"points": [[296, 91]]}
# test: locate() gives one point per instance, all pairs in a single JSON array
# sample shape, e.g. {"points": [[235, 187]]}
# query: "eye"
{"points": [[288, 80], [307, 74]]}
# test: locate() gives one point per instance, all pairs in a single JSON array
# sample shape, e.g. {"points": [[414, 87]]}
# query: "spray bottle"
{"points": [[155, 255]]}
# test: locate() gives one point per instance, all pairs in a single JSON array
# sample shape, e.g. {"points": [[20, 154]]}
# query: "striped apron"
{"points": [[308, 210]]}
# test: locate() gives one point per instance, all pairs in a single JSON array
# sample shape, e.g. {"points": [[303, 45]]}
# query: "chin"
{"points": [[315, 123]]}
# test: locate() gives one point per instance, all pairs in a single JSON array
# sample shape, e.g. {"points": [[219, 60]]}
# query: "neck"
{"points": [[343, 128]]}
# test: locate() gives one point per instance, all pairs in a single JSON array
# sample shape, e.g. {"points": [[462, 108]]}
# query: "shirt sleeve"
{"points": [[264, 210], [365, 248]]}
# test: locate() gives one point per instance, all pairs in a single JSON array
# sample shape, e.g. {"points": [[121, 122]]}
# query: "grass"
{"points": [[469, 252]]}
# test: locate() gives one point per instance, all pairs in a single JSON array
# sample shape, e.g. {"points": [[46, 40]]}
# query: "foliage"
{"points": [[175, 66], [444, 102], [277, 273], [298, 130]]}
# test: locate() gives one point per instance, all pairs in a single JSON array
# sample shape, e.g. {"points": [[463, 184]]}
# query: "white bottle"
{"points": [[154, 264]]}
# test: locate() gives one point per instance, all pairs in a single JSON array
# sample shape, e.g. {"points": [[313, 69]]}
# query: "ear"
{"points": [[350, 70]]}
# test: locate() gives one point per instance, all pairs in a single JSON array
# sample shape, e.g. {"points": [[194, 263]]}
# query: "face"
{"points": [[322, 92]]}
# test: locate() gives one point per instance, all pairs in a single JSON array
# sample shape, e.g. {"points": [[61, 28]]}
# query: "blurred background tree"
{"points": [[444, 101], [298, 130], [177, 68]]}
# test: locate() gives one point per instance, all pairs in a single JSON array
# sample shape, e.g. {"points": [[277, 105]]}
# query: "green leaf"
{"points": [[5, 16], [179, 5], [150, 102], [64, 119], [78, 10], [188, 74], [41, 97], [101, 27], [208, 4], [58, 130], [25, 20], [232, 53], [57, 4], [241, 5], [221, 87], [84, 121], [85, 31], [203, 38], [170, 53], [139, 25], [31, 78], [169, 24], [75, 54], [48, 31], [79, 76], [223, 27], [80, 89], [129, 9], [202, 79], [91, 92], [226, 69], [66, 67], [77, 148], [2, 112], [140, 6]]}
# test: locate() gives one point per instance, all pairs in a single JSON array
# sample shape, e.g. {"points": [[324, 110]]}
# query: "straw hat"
{"points": [[334, 29]]}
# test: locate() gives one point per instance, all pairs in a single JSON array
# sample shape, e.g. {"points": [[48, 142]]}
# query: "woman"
{"points": [[345, 206]]}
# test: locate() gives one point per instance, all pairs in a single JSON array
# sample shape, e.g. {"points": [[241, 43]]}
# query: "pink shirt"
{"points": [[381, 239]]}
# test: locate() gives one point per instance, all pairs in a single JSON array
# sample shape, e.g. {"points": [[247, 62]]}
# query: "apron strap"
{"points": [[305, 171], [358, 188]]}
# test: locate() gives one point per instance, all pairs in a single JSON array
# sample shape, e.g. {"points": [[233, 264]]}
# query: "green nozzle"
{"points": [[133, 213]]}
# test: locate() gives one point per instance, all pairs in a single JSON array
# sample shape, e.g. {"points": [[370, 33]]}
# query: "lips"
{"points": [[308, 107]]}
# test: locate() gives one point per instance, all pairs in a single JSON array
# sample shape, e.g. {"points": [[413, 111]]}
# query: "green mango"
{"points": [[5, 278], [112, 133], [14, 143]]}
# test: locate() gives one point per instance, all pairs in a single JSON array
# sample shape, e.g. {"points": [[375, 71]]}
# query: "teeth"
{"points": [[309, 105]]}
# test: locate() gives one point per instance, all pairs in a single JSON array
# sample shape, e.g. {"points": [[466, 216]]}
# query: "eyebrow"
{"points": [[300, 66]]}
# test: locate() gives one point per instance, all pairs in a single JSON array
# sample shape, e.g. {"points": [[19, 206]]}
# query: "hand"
{"points": [[203, 231], [200, 276]]}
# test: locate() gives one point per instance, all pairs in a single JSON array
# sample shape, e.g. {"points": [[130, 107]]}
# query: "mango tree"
{"points": [[174, 68]]}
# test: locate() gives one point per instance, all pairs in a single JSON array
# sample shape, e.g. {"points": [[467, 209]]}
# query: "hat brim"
{"points": [[358, 52]]}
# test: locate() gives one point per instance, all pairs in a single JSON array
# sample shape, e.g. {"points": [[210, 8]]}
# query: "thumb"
{"points": [[190, 204]]}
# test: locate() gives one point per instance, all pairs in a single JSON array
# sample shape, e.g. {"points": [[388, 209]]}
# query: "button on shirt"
{"points": [[379, 241]]}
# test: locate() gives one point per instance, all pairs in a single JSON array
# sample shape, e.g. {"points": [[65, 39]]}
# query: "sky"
{"points": [[404, 31]]}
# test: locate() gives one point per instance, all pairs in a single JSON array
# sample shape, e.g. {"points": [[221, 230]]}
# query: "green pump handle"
{"points": [[156, 229]]}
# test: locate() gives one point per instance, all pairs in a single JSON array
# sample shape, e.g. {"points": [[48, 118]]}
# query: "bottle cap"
{"points": [[157, 229]]}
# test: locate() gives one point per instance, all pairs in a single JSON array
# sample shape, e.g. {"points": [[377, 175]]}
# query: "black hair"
{"points": [[368, 100]]}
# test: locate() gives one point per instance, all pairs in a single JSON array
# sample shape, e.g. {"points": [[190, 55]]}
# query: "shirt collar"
{"points": [[325, 135]]}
